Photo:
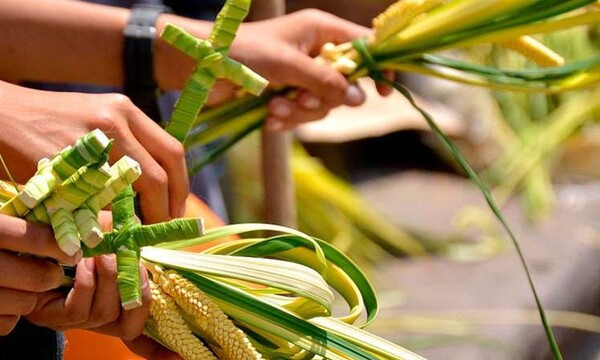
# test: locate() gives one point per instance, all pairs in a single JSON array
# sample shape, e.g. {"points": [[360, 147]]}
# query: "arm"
{"points": [[66, 41]]}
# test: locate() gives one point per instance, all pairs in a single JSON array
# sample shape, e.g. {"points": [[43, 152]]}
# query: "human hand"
{"points": [[93, 303], [282, 51], [38, 124], [24, 278]]}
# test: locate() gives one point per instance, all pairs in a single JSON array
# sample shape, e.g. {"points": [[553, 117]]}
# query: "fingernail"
{"points": [[311, 102], [354, 96], [282, 110], [274, 125], [77, 257]]}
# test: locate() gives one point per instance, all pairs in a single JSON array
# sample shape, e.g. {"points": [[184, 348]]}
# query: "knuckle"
{"points": [[334, 86], [106, 267], [108, 315], [175, 149], [110, 116], [157, 179], [105, 118], [288, 57], [131, 331], [119, 101]]}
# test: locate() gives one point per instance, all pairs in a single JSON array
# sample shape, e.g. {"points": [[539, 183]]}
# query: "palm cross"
{"points": [[212, 64]]}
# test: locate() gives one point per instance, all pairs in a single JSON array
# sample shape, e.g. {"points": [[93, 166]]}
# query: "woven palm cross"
{"points": [[212, 63]]}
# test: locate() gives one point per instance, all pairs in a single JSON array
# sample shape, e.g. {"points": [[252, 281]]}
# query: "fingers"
{"points": [[28, 273], [169, 153], [8, 323], [331, 28], [93, 303], [106, 304], [56, 311], [286, 114], [130, 323], [153, 184], [298, 70], [150, 349], [163, 185], [16, 302], [385, 90], [22, 236], [105, 220]]}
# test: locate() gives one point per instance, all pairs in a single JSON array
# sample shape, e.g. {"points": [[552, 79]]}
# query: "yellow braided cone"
{"points": [[172, 328], [209, 318]]}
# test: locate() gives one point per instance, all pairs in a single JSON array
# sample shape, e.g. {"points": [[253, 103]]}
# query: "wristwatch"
{"points": [[140, 85]]}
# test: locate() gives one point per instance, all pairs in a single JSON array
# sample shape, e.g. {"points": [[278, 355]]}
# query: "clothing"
{"points": [[30, 342]]}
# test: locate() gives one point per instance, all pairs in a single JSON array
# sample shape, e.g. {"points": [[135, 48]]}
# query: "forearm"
{"points": [[75, 42]]}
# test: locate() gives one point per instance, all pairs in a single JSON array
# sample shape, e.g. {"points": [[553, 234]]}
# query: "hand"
{"points": [[281, 50], [39, 124], [24, 278], [93, 302]]}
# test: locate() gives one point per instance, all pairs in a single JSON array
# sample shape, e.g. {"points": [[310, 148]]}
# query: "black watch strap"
{"points": [[140, 85]]}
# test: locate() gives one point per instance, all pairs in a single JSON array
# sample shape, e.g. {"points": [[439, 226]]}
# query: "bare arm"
{"points": [[76, 42]]}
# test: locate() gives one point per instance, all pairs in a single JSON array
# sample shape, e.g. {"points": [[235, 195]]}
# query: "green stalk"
{"points": [[126, 239], [341, 197], [216, 152], [587, 18], [490, 201], [446, 19]]}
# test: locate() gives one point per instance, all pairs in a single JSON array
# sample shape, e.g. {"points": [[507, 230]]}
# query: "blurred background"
{"points": [[375, 182]]}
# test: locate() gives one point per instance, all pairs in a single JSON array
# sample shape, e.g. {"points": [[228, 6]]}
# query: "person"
{"points": [[29, 287], [84, 43], [63, 41], [33, 122], [73, 42]]}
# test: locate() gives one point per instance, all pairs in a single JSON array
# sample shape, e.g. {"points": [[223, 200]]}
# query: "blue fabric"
{"points": [[30, 342]]}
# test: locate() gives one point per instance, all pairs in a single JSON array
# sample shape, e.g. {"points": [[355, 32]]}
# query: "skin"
{"points": [[279, 49], [29, 287], [92, 303], [23, 279], [39, 124]]}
